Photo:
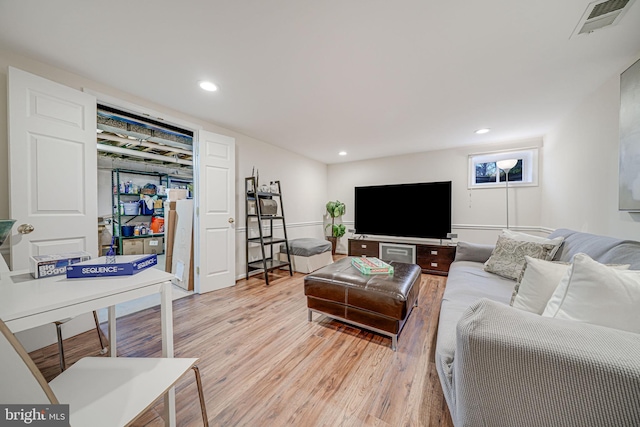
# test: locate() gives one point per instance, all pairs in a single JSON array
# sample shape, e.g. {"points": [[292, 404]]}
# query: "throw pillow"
{"points": [[516, 235], [466, 251], [537, 284], [594, 293], [507, 259]]}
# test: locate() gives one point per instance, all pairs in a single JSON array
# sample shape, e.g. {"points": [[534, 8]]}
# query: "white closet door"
{"points": [[215, 212], [53, 168]]}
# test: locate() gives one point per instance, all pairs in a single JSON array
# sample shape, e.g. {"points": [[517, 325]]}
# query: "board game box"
{"points": [[53, 265], [368, 265], [125, 265]]}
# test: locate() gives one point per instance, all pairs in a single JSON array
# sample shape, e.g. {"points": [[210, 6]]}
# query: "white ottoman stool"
{"points": [[307, 254]]}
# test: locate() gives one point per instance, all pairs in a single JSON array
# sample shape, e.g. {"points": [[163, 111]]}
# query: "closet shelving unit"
{"points": [[120, 219], [174, 181], [256, 219]]}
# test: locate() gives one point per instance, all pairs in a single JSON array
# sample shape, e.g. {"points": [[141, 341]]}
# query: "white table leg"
{"points": [[112, 330], [166, 314]]}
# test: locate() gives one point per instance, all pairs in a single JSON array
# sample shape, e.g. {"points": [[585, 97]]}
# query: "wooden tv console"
{"points": [[432, 258]]}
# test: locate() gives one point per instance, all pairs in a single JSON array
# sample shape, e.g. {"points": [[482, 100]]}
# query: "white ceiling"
{"points": [[371, 77]]}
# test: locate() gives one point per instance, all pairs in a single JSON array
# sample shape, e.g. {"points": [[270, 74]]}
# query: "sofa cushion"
{"points": [[595, 293], [467, 282], [604, 249], [507, 259], [466, 251]]}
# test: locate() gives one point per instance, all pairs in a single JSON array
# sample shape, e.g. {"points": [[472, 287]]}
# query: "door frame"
{"points": [[130, 107]]}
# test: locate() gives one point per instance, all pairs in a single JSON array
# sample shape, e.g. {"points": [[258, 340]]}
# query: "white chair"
{"points": [[59, 323], [100, 391]]}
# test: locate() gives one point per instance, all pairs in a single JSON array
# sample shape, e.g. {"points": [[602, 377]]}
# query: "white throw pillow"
{"points": [[594, 293], [539, 281], [524, 237]]}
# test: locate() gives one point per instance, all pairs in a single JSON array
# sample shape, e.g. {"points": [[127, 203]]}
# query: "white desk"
{"points": [[26, 303]]}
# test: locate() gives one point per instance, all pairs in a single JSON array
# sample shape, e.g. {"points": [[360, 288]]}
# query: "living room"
{"points": [[586, 134], [569, 193], [578, 149]]}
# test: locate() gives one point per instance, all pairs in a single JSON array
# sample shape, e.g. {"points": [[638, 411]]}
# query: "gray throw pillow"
{"points": [[466, 251], [507, 259]]}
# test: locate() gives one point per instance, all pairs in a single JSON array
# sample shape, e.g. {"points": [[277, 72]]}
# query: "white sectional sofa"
{"points": [[502, 366]]}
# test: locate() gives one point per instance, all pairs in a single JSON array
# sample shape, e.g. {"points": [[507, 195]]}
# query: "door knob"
{"points": [[231, 221], [25, 228]]}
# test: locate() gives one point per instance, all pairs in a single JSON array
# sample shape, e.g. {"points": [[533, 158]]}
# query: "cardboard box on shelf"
{"points": [[154, 245], [133, 247], [177, 194]]}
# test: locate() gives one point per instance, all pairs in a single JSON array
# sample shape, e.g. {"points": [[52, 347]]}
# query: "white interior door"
{"points": [[53, 179], [53, 168], [215, 241]]}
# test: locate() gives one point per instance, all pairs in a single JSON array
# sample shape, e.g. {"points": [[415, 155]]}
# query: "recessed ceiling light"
{"points": [[483, 130], [208, 86], [342, 153]]}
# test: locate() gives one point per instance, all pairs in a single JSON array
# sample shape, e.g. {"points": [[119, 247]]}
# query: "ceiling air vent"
{"points": [[600, 14]]}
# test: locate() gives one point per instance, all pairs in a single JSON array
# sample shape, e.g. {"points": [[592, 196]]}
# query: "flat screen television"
{"points": [[404, 210]]}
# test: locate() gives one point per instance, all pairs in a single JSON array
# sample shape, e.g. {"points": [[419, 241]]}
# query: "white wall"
{"points": [[580, 172], [578, 178], [304, 192], [477, 214]]}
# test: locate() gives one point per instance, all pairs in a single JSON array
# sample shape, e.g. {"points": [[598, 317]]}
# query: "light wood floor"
{"points": [[263, 364]]}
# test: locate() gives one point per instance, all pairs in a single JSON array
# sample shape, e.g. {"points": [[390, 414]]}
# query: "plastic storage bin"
{"points": [[131, 208]]}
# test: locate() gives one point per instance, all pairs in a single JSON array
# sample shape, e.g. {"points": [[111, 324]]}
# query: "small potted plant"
{"points": [[334, 210]]}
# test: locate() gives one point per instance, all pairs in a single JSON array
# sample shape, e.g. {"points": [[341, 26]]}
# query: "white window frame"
{"points": [[529, 158]]}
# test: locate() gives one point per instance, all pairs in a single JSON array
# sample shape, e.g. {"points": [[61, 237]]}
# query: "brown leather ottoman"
{"points": [[379, 302]]}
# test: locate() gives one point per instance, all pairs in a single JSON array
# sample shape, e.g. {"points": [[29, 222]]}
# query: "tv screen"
{"points": [[404, 210]]}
